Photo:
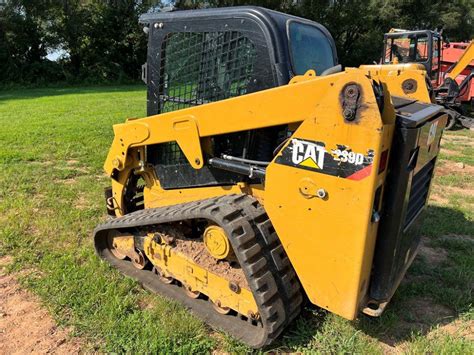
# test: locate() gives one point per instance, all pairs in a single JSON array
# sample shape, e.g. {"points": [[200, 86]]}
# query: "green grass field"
{"points": [[53, 144]]}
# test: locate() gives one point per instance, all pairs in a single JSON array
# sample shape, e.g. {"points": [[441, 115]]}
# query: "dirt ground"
{"points": [[450, 167], [25, 325]]}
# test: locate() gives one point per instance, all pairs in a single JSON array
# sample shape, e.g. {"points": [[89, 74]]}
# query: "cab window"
{"points": [[407, 49], [310, 49]]}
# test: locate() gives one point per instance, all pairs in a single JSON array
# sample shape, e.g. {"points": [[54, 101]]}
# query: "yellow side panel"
{"points": [[402, 79], [323, 219]]}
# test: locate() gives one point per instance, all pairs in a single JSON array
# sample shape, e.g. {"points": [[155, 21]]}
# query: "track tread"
{"points": [[269, 273], [288, 283]]}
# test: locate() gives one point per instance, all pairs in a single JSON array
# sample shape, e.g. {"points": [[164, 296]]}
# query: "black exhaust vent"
{"points": [[419, 192]]}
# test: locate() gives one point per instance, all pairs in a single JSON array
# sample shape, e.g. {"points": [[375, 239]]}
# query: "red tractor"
{"points": [[449, 67]]}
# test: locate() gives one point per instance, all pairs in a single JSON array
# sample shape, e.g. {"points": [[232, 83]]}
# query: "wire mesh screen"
{"points": [[201, 67]]}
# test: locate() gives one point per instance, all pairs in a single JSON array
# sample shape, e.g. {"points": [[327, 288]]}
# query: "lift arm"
{"points": [[463, 62]]}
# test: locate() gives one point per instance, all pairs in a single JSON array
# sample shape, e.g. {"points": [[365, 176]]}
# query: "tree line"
{"points": [[101, 41]]}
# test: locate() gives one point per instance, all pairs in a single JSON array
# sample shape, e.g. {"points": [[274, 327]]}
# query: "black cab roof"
{"points": [[275, 24]]}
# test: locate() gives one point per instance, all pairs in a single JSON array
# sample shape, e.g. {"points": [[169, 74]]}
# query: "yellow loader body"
{"points": [[327, 216]]}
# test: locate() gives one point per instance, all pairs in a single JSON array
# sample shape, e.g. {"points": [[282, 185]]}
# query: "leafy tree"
{"points": [[358, 26], [102, 41], [24, 30]]}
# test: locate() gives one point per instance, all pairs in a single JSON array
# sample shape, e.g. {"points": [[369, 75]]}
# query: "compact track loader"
{"points": [[264, 175]]}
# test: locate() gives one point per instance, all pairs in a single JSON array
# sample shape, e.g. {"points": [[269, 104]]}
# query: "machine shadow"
{"points": [[418, 305]]}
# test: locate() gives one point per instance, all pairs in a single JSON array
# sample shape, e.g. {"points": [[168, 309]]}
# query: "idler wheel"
{"points": [[113, 247], [217, 243]]}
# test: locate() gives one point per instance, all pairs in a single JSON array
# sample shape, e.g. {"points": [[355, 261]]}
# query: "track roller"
{"points": [[219, 308]]}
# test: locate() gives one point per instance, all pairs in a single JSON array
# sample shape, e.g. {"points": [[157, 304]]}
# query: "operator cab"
{"points": [[422, 47], [202, 56]]}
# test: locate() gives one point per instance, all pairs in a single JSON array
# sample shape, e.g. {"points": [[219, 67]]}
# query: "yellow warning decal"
{"points": [[310, 163]]}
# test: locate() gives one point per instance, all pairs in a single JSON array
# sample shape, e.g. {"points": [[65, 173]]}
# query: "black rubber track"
{"points": [[269, 273]]}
